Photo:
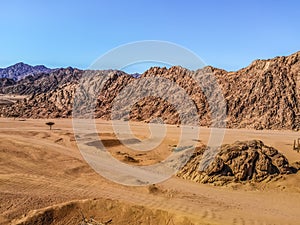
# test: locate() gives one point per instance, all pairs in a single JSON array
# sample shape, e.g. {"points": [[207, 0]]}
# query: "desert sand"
{"points": [[45, 180]]}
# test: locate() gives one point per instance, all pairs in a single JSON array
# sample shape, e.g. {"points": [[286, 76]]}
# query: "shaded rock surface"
{"points": [[237, 162], [4, 82]]}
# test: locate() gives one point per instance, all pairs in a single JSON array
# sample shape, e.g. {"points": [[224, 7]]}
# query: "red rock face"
{"points": [[264, 95]]}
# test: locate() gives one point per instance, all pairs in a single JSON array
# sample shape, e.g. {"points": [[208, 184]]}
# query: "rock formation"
{"points": [[237, 162], [264, 95]]}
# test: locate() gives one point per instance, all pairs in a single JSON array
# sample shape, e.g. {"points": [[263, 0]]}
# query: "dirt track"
{"points": [[40, 168]]}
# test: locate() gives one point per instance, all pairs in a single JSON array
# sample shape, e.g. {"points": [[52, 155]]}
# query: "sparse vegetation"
{"points": [[50, 124]]}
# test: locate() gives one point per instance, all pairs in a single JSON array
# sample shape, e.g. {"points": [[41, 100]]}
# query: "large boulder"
{"points": [[237, 162]]}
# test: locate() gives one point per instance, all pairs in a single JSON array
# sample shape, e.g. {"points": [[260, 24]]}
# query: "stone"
{"points": [[238, 162]]}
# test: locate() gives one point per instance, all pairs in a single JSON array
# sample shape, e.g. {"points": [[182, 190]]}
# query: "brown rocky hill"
{"points": [[237, 162], [264, 95]]}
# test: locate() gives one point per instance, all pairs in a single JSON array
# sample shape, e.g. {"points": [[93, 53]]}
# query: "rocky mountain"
{"points": [[22, 70], [40, 83], [51, 95], [264, 95], [135, 75], [237, 162]]}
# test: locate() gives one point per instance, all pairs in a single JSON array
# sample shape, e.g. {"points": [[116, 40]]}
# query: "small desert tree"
{"points": [[50, 124]]}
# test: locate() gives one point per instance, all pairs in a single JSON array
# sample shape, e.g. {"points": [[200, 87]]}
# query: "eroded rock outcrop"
{"points": [[237, 162]]}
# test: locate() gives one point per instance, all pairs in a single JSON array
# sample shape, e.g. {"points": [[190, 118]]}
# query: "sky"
{"points": [[225, 34]]}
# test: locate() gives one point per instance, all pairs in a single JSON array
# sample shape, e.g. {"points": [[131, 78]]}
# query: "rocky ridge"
{"points": [[21, 70], [41, 83], [264, 95]]}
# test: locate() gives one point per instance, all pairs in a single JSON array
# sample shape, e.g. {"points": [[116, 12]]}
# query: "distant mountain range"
{"points": [[264, 95], [22, 70]]}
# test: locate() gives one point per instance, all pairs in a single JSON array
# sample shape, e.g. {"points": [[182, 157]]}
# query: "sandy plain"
{"points": [[45, 180]]}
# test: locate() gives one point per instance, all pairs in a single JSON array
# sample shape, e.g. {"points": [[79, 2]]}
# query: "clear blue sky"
{"points": [[226, 34]]}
